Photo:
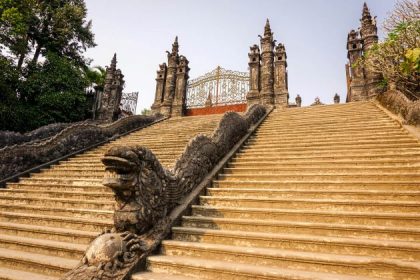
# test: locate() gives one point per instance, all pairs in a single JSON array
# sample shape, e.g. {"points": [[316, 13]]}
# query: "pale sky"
{"points": [[216, 32]]}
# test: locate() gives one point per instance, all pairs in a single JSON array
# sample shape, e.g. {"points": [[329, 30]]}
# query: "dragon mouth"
{"points": [[120, 173]]}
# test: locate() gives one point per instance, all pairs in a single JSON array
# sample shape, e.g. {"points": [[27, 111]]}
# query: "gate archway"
{"points": [[216, 92]]}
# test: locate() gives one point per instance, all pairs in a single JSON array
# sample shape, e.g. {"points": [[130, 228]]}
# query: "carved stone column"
{"points": [[357, 78], [178, 105], [109, 106], [281, 94], [253, 96], [170, 83], [267, 66], [369, 37], [160, 88]]}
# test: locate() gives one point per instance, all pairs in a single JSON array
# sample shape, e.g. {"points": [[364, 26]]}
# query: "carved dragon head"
{"points": [[122, 166]]}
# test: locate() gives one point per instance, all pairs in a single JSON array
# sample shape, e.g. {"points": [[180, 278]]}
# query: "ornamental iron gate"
{"points": [[219, 87]]}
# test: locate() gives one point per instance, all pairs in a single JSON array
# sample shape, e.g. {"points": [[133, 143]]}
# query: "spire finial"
{"points": [[114, 61], [365, 13], [175, 45], [267, 28]]}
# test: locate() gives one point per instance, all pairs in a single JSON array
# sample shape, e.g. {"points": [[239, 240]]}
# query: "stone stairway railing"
{"points": [[399, 104], [17, 159], [10, 138], [151, 199]]}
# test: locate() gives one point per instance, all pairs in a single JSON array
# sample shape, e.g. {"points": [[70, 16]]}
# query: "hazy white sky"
{"points": [[217, 32]]}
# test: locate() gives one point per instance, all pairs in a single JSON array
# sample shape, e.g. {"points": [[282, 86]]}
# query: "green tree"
{"points": [[40, 27], [397, 58]]}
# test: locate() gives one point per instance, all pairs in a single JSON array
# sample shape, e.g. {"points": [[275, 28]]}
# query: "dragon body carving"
{"points": [[145, 193]]}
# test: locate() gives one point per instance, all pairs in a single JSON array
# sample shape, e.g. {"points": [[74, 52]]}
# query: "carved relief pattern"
{"points": [[224, 86]]}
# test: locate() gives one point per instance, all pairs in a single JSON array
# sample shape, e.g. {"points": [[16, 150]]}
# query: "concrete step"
{"points": [[47, 233], [337, 164], [298, 227], [58, 187], [43, 246], [58, 202], [93, 225], [318, 185], [321, 204], [405, 250], [58, 211], [58, 194], [400, 177], [316, 194], [333, 169], [33, 263], [289, 259], [13, 274], [214, 269], [159, 276], [385, 219]]}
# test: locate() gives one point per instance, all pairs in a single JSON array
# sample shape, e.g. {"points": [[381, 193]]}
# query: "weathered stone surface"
{"points": [[171, 84], [18, 158], [399, 104], [9, 138], [268, 74], [146, 192], [362, 83], [109, 100]]}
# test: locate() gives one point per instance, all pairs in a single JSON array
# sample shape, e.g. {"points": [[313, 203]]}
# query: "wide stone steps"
{"points": [[332, 192], [289, 259], [327, 229], [309, 215], [48, 219]]}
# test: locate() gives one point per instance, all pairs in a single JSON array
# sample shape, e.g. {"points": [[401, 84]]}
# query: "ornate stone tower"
{"points": [[281, 94], [267, 66], [355, 73], [362, 84], [109, 105], [171, 84], [268, 74], [369, 37]]}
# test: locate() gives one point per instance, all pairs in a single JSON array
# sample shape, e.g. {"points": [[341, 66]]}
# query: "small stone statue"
{"points": [[336, 98], [298, 100]]}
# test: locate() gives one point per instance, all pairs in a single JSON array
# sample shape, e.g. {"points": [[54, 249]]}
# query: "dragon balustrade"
{"points": [[18, 158], [399, 104], [9, 138], [146, 193]]}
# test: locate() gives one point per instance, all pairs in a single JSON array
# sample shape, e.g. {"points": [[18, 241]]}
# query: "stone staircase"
{"points": [[48, 219], [323, 192]]}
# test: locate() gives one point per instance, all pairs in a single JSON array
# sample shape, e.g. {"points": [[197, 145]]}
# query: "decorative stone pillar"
{"points": [[267, 66], [281, 94], [160, 88], [267, 72], [181, 87], [170, 83], [109, 106], [356, 78], [369, 37], [254, 76]]}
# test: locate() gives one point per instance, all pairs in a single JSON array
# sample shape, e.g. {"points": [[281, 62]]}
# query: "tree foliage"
{"points": [[397, 58], [43, 70]]}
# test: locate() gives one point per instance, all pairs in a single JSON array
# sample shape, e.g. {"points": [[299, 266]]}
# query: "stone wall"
{"points": [[399, 104]]}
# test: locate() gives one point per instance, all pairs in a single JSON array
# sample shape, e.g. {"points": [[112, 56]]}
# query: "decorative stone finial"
{"points": [[366, 17], [114, 62], [267, 29], [175, 45]]}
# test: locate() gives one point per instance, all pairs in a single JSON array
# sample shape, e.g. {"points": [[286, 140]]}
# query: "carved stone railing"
{"points": [[399, 104], [10, 138], [18, 158], [149, 198]]}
